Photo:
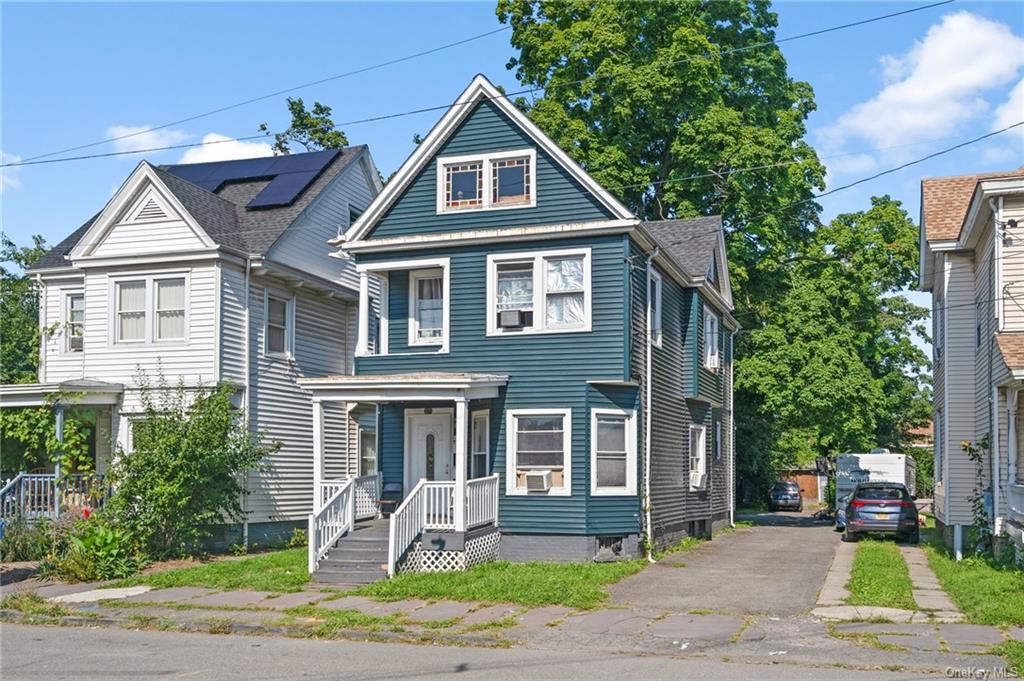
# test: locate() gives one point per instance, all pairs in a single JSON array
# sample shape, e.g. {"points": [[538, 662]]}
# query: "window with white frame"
{"points": [[711, 340], [479, 442], [74, 321], [654, 308], [487, 181], [426, 296], [716, 439], [538, 292], [131, 311], [170, 309], [278, 325], [698, 456], [539, 451], [612, 452], [367, 451]]}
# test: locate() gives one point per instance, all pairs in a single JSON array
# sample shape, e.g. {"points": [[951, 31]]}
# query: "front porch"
{"points": [[442, 499]]}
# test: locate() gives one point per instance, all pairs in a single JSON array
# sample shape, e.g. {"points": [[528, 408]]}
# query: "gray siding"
{"points": [[559, 197]]}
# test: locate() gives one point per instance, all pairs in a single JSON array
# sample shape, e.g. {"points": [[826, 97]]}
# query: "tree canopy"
{"points": [[19, 311], [313, 130]]}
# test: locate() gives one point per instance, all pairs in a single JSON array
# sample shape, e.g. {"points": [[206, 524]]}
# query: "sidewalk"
{"points": [[799, 640]]}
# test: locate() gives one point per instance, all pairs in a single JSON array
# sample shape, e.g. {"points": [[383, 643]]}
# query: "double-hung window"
{"points": [[74, 321], [131, 311], [538, 292], [711, 340], [479, 441], [278, 326], [427, 303], [367, 451], [151, 309], [170, 309], [698, 457], [487, 181], [654, 308], [612, 452], [538, 451]]}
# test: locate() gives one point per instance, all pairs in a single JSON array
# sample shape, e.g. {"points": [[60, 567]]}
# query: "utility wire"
{"points": [[270, 95], [38, 159]]}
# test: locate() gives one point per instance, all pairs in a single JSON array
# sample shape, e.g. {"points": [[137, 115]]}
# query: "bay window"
{"points": [[539, 451], [538, 292]]}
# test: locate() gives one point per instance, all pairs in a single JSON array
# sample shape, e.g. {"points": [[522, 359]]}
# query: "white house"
{"points": [[214, 272], [972, 262]]}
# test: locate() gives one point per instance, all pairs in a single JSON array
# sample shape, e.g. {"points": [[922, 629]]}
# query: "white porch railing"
{"points": [[481, 501], [1015, 494], [430, 506], [329, 522], [367, 496], [42, 495]]}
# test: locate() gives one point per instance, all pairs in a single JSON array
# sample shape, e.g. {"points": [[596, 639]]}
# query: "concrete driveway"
{"points": [[774, 568]]}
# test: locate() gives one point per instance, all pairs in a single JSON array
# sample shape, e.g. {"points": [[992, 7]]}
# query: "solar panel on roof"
{"points": [[289, 175]]}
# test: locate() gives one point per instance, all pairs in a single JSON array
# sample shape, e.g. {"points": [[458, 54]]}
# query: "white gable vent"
{"points": [[151, 211]]}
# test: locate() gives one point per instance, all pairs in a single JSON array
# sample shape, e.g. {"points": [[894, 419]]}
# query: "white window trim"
{"points": [[654, 312], [149, 278], [539, 302], [156, 317], [486, 160], [484, 416], [712, 354], [630, 488], [702, 429], [717, 435], [66, 294], [414, 323], [382, 269], [510, 451], [359, 449], [289, 318]]}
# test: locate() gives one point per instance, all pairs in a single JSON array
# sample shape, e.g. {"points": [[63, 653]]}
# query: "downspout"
{"points": [[248, 381], [649, 345], [40, 292], [997, 242], [732, 436]]}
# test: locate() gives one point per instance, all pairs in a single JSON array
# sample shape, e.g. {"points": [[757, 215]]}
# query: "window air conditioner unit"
{"points": [[697, 480], [538, 481], [514, 319]]}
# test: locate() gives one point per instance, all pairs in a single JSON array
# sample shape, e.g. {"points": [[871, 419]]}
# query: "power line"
{"points": [[270, 95], [38, 159]]}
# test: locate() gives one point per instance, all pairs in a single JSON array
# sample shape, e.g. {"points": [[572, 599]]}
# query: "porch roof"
{"points": [[420, 386], [89, 391]]}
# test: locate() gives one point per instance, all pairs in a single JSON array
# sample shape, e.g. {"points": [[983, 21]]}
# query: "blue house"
{"points": [[539, 374]]}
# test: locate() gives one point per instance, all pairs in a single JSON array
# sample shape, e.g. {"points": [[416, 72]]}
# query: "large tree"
{"points": [[685, 108], [312, 129], [19, 311]]}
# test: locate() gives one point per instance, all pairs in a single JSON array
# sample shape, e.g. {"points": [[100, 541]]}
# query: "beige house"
{"points": [[972, 262]]}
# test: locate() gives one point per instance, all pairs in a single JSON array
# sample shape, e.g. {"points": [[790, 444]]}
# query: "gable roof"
{"points": [[690, 242], [1011, 347], [945, 201], [225, 215], [480, 89]]}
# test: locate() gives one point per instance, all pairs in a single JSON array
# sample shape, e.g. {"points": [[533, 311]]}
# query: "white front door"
{"points": [[429, 448]]}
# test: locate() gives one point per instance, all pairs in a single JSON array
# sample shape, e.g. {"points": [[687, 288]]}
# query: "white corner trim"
{"points": [[486, 161], [655, 281], [510, 451], [631, 454], [479, 89], [537, 258]]}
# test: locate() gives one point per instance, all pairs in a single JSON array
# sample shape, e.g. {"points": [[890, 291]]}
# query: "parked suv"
{"points": [[885, 507], [785, 494]]}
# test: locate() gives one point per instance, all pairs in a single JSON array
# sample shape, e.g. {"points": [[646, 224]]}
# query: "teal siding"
{"points": [[709, 383], [617, 515], [544, 371], [560, 198]]}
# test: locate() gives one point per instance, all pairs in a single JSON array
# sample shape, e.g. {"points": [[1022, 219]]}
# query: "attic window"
{"points": [[510, 179], [504, 179], [463, 185]]}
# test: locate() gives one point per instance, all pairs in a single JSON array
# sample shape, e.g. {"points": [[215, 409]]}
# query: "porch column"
{"points": [[363, 338], [318, 451], [461, 425]]}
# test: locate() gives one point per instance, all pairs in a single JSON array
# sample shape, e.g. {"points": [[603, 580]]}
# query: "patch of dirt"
{"points": [[16, 572]]}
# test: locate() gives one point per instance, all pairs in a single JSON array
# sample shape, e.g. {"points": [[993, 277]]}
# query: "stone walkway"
{"points": [[933, 605]]}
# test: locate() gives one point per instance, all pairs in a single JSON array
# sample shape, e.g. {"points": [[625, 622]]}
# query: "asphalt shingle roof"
{"points": [[224, 215], [689, 242], [1011, 347], [945, 200]]}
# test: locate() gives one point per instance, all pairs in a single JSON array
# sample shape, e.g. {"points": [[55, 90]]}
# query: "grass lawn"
{"points": [[985, 593], [1013, 651], [879, 576], [576, 585], [274, 571]]}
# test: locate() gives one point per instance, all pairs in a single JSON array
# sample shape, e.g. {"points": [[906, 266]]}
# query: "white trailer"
{"points": [[880, 466]]}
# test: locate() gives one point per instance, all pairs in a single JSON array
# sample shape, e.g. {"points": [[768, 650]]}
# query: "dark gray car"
{"points": [[785, 494], [884, 507]]}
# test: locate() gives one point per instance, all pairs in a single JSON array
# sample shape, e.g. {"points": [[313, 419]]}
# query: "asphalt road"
{"points": [[775, 568], [36, 653]]}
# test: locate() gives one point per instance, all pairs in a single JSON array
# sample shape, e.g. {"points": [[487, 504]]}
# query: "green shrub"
{"points": [[191, 453], [298, 539], [22, 541], [95, 550]]}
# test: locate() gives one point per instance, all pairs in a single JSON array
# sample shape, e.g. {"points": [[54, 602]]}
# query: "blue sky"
{"points": [[73, 74]]}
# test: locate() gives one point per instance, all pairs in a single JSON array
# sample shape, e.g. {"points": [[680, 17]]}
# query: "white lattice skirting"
{"points": [[480, 549]]}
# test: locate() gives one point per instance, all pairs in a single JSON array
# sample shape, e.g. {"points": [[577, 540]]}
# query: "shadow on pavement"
{"points": [[785, 519]]}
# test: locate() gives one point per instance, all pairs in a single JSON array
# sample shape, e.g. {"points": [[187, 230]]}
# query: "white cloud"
{"points": [[218, 147], [140, 137], [10, 178], [937, 86], [1012, 110]]}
